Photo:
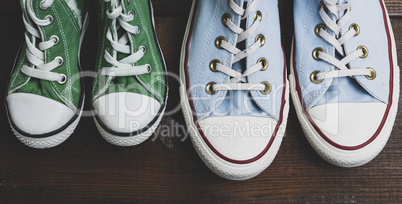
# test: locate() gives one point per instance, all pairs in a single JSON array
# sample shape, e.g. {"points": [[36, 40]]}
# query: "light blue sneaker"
{"points": [[344, 78], [233, 85]]}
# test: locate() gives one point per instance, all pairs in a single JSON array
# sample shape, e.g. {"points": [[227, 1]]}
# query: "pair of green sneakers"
{"points": [[45, 94]]}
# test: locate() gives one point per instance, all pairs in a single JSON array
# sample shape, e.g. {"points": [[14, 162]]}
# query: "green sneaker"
{"points": [[130, 88], [45, 96]]}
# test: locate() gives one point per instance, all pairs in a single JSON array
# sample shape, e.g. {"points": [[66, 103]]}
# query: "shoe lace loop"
{"points": [[238, 80], [35, 52], [334, 19], [122, 44]]}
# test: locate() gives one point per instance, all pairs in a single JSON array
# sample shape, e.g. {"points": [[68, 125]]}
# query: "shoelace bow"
{"points": [[337, 41], [125, 66], [35, 51], [237, 77]]}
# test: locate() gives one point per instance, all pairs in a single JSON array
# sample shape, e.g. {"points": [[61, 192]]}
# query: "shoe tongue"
{"points": [[120, 55], [239, 2], [76, 6], [115, 3], [121, 32]]}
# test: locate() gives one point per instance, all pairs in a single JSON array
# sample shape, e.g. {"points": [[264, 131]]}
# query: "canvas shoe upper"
{"points": [[345, 78], [233, 85], [130, 90], [44, 95]]}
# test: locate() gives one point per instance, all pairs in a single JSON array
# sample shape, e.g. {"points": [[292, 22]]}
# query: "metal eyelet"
{"points": [[41, 6], [60, 60], [365, 51], [313, 77], [218, 41], [321, 5], [225, 18], [258, 15], [264, 63], [212, 65], [149, 68], [51, 19], [63, 80], [55, 38], [260, 38], [267, 89], [346, 10], [315, 53], [209, 88], [144, 48], [139, 31], [373, 74], [318, 28], [356, 27], [132, 13]]}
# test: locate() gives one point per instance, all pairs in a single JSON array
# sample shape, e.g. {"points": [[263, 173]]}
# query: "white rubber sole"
{"points": [[57, 139], [140, 138], [48, 142], [347, 158], [132, 140], [219, 166]]}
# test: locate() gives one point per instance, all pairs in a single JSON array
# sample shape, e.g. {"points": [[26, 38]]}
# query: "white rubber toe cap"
{"points": [[37, 115], [348, 124], [238, 137], [126, 112]]}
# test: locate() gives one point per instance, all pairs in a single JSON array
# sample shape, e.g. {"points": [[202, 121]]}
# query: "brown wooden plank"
{"points": [[394, 7], [86, 169], [397, 27]]}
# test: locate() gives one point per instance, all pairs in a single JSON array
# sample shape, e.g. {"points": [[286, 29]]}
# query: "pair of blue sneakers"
{"points": [[344, 81]]}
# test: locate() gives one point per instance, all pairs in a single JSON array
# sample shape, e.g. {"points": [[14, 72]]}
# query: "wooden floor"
{"points": [[87, 169]]}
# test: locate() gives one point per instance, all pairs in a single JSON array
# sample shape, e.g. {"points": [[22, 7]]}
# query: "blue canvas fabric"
{"points": [[202, 50], [369, 15]]}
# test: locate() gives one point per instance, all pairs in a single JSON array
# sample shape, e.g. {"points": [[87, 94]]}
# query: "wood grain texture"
{"points": [[394, 8], [86, 169]]}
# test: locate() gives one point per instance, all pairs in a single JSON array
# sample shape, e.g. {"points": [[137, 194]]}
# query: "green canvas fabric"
{"points": [[153, 84], [67, 25]]}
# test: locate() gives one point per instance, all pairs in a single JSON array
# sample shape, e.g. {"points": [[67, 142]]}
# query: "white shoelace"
{"points": [[337, 41], [125, 66], [35, 51], [237, 77]]}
